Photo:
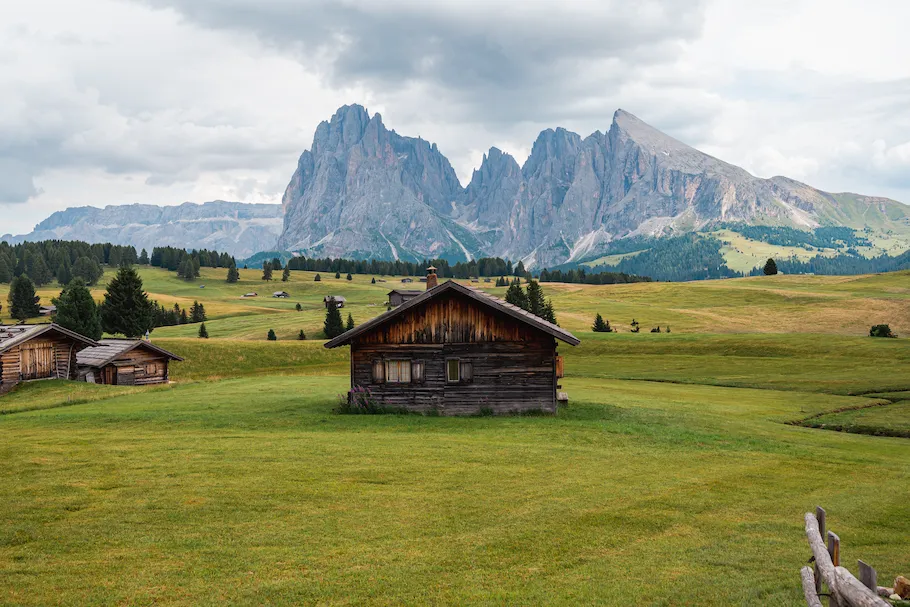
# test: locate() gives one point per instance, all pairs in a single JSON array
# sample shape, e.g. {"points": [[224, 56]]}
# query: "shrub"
{"points": [[359, 401], [881, 331], [271, 336], [299, 307], [317, 278], [770, 268], [203, 332], [301, 336]]}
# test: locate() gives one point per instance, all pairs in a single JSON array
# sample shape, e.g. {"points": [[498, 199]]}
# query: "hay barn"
{"points": [[33, 352], [125, 362]]}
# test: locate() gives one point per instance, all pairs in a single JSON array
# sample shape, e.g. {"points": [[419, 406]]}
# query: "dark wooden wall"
{"points": [[514, 364], [135, 368], [44, 357]]}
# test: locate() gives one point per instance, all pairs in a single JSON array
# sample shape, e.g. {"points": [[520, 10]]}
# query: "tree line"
{"points": [[581, 276], [486, 266], [842, 265], [820, 238], [62, 261]]}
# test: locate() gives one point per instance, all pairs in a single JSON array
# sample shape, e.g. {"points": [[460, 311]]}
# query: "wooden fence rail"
{"points": [[843, 589]]}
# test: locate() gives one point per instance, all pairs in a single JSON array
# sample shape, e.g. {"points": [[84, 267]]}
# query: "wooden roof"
{"points": [[108, 350], [13, 335], [471, 292], [414, 292], [335, 297]]}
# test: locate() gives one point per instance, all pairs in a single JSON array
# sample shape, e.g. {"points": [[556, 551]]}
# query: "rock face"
{"points": [[236, 228], [365, 191]]}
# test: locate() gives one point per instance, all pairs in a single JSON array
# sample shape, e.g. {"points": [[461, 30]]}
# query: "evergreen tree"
{"points": [[349, 277], [286, 275], [184, 317], [276, 263], [23, 303], [39, 272], [301, 336], [317, 278], [536, 302], [333, 325], [88, 269], [337, 274], [549, 313], [114, 258], [64, 276], [516, 295], [350, 323], [266, 271], [373, 282], [126, 308], [601, 325], [299, 308], [233, 274], [77, 311], [203, 332], [144, 258], [770, 268], [6, 275], [520, 269], [197, 312], [271, 336]]}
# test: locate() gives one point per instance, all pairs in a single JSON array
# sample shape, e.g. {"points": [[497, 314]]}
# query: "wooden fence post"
{"points": [[834, 548], [868, 576], [820, 517]]}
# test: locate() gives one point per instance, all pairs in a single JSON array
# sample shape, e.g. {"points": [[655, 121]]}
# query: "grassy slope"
{"points": [[248, 490]]}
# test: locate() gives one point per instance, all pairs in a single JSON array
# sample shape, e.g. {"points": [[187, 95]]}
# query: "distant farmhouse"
{"points": [[456, 350], [125, 362], [338, 299], [33, 352], [399, 296], [281, 294]]}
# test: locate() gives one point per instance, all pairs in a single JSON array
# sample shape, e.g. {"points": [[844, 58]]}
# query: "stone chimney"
{"points": [[432, 279]]}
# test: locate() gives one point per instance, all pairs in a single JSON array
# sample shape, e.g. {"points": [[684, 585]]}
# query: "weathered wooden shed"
{"points": [[399, 296], [32, 352], [457, 350], [125, 362], [338, 299]]}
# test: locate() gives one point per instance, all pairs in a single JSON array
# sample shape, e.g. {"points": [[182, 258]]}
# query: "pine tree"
{"points": [[373, 282], [233, 274], [38, 271], [299, 308], [266, 271], [333, 325], [536, 302], [317, 278], [23, 303], [184, 317], [301, 336], [77, 311], [203, 332], [197, 312], [337, 274], [350, 323], [601, 325], [549, 312], [88, 269], [144, 258], [126, 308], [271, 336], [770, 268], [276, 263], [286, 275], [64, 276], [520, 269], [6, 274], [349, 277], [516, 295]]}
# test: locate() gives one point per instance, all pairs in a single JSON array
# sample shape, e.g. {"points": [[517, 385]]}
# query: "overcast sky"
{"points": [[166, 101]]}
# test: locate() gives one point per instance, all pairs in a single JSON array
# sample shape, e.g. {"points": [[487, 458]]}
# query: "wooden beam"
{"points": [[809, 590], [823, 563], [853, 593], [834, 548]]}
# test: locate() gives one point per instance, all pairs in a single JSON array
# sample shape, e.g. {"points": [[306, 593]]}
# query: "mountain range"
{"points": [[364, 191]]}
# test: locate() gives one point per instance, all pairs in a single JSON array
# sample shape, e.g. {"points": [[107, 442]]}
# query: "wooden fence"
{"points": [[842, 589]]}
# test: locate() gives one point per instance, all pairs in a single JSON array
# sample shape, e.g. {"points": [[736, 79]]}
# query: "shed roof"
{"points": [[414, 292], [475, 294], [13, 335], [108, 350], [335, 297]]}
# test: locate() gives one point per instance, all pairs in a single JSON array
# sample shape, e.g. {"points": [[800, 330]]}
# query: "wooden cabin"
{"points": [[33, 352], [338, 299], [125, 362], [399, 296], [456, 350], [281, 294]]}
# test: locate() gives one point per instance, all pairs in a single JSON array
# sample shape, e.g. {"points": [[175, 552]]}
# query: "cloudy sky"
{"points": [[164, 101]]}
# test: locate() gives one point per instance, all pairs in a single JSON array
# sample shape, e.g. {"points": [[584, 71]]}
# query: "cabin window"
{"points": [[378, 371], [453, 372], [398, 371], [418, 369], [467, 372]]}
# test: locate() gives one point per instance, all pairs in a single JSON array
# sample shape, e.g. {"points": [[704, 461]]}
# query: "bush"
{"points": [[271, 336], [301, 336], [317, 278], [359, 401], [881, 331], [203, 332], [770, 268]]}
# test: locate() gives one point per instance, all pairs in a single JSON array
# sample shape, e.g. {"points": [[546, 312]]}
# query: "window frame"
{"points": [[401, 365], [457, 362]]}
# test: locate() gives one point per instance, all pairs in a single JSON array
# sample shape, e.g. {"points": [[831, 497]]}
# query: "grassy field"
{"points": [[674, 477]]}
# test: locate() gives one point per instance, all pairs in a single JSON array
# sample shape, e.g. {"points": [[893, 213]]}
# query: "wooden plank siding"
{"points": [[46, 357]]}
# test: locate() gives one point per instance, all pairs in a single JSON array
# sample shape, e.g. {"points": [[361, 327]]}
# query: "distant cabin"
{"points": [[281, 294], [456, 350], [125, 362], [399, 296], [338, 299], [47, 310], [407, 280], [33, 352], [251, 294]]}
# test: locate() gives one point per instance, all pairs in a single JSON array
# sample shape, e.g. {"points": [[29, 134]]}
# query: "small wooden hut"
{"points": [[125, 362], [456, 350], [32, 352], [338, 299], [399, 296]]}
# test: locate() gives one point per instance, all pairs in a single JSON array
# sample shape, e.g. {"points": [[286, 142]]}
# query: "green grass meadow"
{"points": [[675, 476]]}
